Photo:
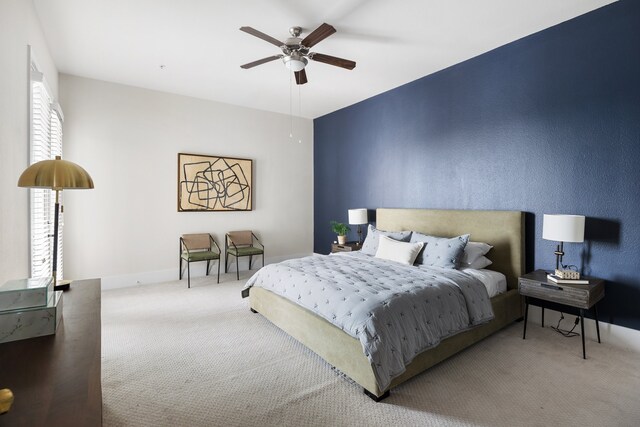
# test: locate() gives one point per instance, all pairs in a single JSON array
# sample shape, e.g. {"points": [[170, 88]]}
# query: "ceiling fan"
{"points": [[295, 51]]}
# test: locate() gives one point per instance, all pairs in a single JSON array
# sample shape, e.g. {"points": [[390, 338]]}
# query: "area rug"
{"points": [[174, 356]]}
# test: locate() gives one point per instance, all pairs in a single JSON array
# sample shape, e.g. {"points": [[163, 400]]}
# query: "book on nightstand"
{"points": [[555, 279]]}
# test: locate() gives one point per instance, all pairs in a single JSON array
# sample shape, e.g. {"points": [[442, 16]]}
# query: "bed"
{"points": [[504, 230]]}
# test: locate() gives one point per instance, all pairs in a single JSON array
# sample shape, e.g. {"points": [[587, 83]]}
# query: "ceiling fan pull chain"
{"points": [[290, 104], [299, 109]]}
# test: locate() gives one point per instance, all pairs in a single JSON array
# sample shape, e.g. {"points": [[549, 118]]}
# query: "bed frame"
{"points": [[504, 230]]}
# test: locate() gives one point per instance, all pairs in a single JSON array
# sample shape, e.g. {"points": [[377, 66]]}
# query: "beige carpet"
{"points": [[174, 356]]}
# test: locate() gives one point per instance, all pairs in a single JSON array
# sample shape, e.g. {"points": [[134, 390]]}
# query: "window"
{"points": [[46, 143]]}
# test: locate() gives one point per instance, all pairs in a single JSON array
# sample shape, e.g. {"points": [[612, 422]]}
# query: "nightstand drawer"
{"points": [[561, 295], [580, 296], [347, 247]]}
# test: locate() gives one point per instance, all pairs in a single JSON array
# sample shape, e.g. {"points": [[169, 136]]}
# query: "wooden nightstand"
{"points": [[347, 247], [583, 297]]}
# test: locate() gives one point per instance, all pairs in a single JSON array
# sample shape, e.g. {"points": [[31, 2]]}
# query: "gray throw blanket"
{"points": [[396, 311]]}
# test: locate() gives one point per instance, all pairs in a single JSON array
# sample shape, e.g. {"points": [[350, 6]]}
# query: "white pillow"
{"points": [[393, 250], [370, 245], [475, 251], [481, 262]]}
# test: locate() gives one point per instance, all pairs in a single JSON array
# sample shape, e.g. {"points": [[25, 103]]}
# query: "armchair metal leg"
{"points": [[180, 272], [250, 260], [237, 270], [188, 274], [263, 258], [218, 281], [208, 261], [226, 260]]}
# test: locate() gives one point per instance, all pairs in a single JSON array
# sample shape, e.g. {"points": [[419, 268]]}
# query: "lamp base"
{"points": [[62, 285], [559, 254]]}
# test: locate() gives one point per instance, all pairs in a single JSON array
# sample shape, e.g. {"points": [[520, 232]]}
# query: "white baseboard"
{"points": [[617, 336], [141, 278], [197, 270], [273, 260]]}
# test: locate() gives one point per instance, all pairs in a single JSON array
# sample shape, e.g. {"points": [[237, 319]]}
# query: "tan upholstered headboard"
{"points": [[504, 230]]}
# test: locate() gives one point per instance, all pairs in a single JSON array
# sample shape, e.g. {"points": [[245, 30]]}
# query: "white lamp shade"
{"points": [[563, 228], [358, 216]]}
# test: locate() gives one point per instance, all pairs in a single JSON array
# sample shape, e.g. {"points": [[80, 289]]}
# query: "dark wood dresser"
{"points": [[56, 379]]}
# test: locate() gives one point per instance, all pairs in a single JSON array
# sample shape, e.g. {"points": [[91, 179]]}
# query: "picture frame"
{"points": [[208, 183]]}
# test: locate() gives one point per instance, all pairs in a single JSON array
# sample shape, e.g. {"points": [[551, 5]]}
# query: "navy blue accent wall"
{"points": [[547, 124]]}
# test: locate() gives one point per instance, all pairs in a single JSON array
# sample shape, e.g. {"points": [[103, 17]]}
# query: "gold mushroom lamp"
{"points": [[6, 399], [56, 175]]}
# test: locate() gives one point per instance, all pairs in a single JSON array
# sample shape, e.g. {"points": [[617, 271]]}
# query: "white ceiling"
{"points": [[393, 42]]}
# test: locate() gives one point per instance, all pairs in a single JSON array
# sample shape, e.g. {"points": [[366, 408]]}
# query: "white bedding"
{"points": [[494, 281]]}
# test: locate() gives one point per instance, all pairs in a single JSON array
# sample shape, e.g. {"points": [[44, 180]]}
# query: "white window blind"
{"points": [[46, 143]]}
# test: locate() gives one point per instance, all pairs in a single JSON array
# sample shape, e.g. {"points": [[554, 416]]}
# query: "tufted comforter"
{"points": [[395, 311]]}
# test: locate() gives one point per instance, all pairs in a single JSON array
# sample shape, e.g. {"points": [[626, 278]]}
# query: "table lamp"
{"points": [[358, 217], [56, 175], [6, 400], [562, 228]]}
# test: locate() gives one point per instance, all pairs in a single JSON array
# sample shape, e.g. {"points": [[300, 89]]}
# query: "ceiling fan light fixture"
{"points": [[295, 62], [295, 51]]}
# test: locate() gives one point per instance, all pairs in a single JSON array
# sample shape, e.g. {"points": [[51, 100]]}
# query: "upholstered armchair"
{"points": [[242, 244], [196, 248]]}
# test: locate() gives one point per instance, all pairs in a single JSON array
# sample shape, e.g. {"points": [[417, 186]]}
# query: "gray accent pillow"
{"points": [[370, 245], [474, 255], [440, 251]]}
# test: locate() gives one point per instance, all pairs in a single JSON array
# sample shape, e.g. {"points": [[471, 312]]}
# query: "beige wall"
{"points": [[19, 27], [126, 230]]}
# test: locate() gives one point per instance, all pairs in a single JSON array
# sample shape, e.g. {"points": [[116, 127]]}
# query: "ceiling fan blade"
{"points": [[332, 60], [317, 35], [261, 35], [260, 61], [301, 77]]}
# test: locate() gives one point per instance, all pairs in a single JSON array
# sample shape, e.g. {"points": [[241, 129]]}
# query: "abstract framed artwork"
{"points": [[214, 183]]}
